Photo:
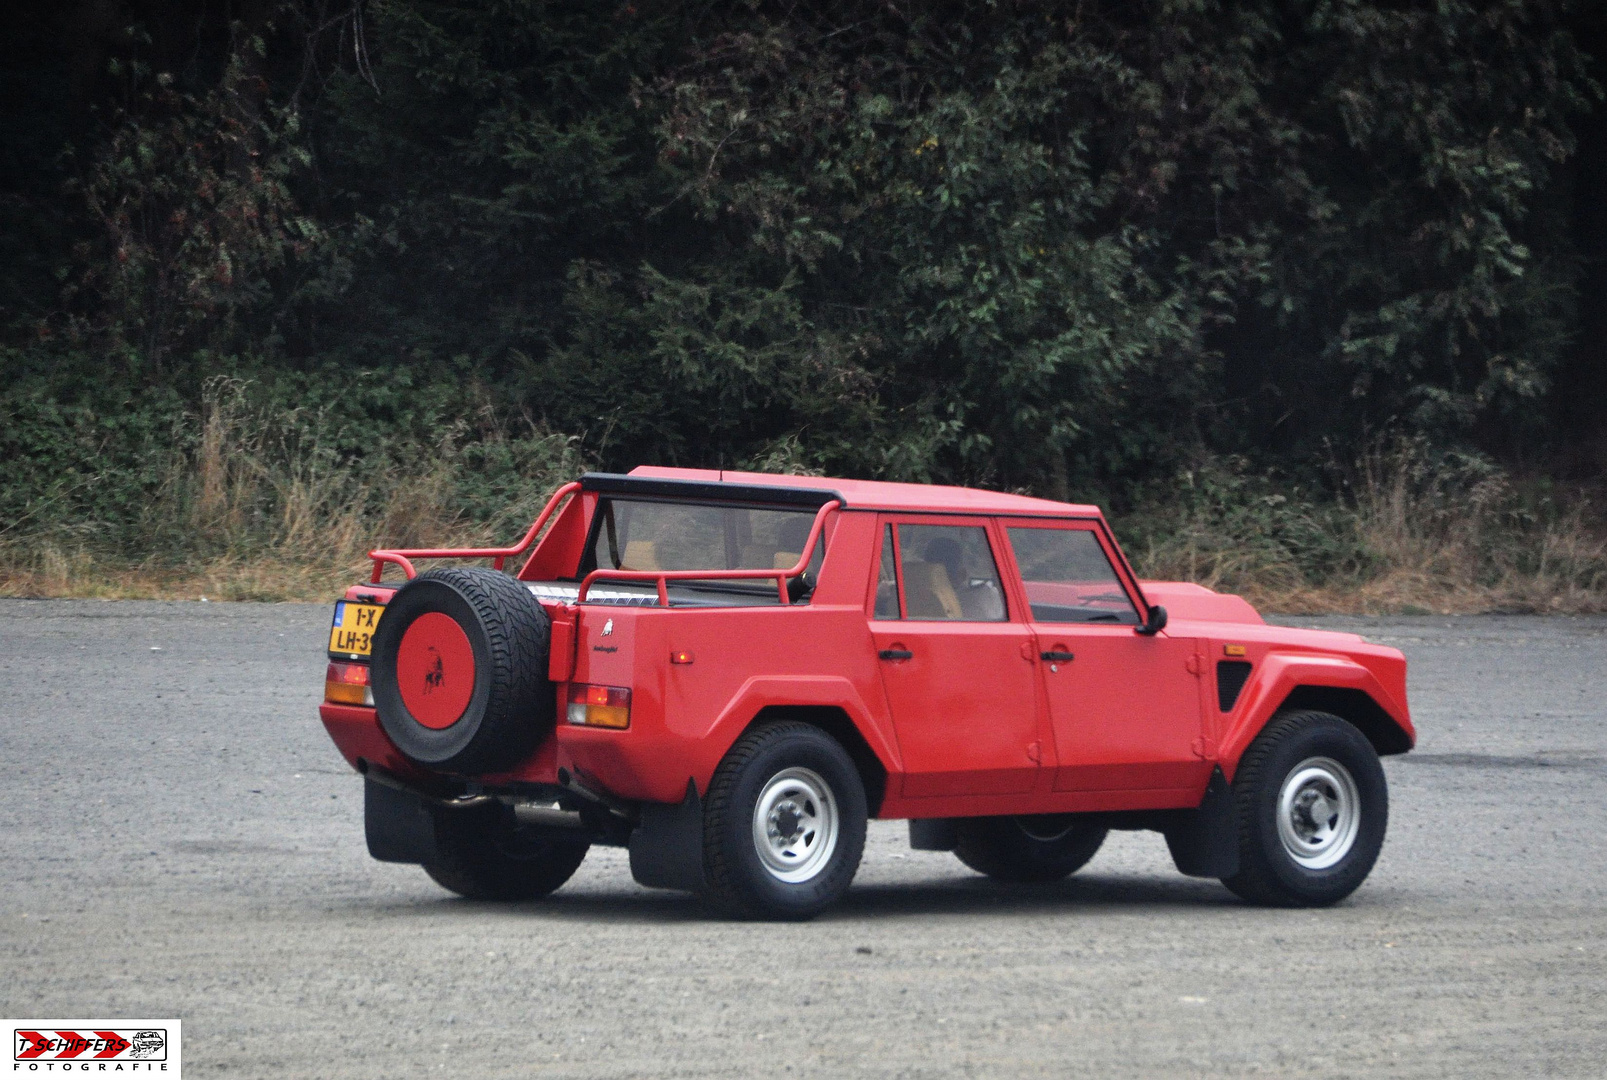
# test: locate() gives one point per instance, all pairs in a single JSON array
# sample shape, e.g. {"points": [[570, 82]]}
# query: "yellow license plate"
{"points": [[352, 633]]}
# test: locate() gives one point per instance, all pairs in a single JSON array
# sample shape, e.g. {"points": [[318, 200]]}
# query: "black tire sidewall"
{"points": [[1061, 856], [1002, 849], [762, 894], [426, 745], [1328, 737], [483, 857], [513, 704]]}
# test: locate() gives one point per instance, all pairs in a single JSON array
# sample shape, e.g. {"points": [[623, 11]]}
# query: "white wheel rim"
{"points": [[1319, 813], [795, 824]]}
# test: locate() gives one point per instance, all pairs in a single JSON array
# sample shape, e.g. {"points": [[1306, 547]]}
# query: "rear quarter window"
{"points": [[650, 534]]}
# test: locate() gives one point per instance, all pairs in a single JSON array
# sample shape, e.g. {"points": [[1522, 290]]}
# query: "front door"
{"points": [[957, 670], [1124, 707]]}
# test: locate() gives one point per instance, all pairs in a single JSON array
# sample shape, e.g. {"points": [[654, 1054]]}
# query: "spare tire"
{"points": [[460, 671]]}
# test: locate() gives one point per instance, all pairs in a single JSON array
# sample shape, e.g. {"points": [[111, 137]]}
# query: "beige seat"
{"points": [[764, 557], [928, 592], [640, 555], [756, 556]]}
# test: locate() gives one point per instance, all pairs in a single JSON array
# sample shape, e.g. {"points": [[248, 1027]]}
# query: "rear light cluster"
{"points": [[599, 706], [347, 684]]}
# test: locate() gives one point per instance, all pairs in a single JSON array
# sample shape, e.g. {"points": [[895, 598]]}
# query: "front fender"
{"points": [[1278, 676]]}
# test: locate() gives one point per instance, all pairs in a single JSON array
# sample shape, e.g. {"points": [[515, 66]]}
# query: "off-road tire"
{"points": [[513, 704], [483, 856], [1025, 850], [1268, 872], [737, 881]]}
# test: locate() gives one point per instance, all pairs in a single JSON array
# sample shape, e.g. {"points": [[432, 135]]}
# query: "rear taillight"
{"points": [[599, 706], [347, 684]]}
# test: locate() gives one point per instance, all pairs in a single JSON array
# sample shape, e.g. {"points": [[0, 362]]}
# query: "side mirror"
{"points": [[1155, 623]]}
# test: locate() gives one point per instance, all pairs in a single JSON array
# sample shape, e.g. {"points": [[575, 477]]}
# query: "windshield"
{"points": [[644, 534]]}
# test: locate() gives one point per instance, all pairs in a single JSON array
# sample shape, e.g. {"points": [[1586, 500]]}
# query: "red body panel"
{"points": [[974, 721], [1285, 666], [963, 670]]}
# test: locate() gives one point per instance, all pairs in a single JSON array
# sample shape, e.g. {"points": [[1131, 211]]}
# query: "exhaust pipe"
{"points": [[546, 815], [571, 782]]}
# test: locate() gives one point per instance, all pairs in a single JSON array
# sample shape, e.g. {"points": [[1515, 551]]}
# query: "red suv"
{"points": [[729, 673]]}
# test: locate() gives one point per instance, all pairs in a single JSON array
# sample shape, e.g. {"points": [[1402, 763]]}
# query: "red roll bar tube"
{"points": [[664, 577], [404, 557]]}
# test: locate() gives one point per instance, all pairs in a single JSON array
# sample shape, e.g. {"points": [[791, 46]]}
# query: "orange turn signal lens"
{"points": [[347, 684], [680, 657], [599, 706], [1233, 650], [607, 716]]}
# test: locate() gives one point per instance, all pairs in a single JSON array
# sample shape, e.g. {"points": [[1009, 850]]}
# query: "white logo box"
{"points": [[102, 1046]]}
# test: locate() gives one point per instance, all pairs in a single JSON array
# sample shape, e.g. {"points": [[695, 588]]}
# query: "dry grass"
{"points": [[50, 572], [258, 506], [1416, 534], [1480, 554]]}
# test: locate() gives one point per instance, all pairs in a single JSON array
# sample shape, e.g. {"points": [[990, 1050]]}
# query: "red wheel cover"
{"points": [[435, 670]]}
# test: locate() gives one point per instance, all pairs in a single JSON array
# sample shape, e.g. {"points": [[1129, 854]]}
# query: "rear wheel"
{"points": [[783, 825], [483, 856], [1312, 806], [1037, 848]]}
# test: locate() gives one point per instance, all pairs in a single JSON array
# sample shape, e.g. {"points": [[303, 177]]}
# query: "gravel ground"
{"points": [[179, 838]]}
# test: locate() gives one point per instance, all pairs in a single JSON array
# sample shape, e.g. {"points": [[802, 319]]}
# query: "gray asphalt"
{"points": [[179, 838]]}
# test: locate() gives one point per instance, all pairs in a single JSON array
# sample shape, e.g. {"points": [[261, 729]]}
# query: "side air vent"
{"points": [[1231, 676]]}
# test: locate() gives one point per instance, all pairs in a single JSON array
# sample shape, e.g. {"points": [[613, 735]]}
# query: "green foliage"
{"points": [[1077, 250], [308, 464], [1068, 226], [1227, 525], [191, 199], [81, 455]]}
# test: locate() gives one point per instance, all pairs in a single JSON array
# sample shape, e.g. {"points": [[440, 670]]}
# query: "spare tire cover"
{"points": [[460, 670]]}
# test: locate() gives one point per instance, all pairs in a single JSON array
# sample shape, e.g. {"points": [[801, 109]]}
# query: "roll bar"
{"points": [[498, 556], [664, 577]]}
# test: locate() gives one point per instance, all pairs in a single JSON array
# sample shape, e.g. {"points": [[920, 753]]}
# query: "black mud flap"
{"points": [[933, 834], [399, 824], [667, 847], [1205, 841]]}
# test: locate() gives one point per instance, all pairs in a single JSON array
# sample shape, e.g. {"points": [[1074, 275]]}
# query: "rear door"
{"points": [[957, 667], [1124, 707]]}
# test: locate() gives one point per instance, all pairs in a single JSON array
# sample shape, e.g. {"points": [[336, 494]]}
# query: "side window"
{"points": [[949, 573], [1068, 579], [886, 583]]}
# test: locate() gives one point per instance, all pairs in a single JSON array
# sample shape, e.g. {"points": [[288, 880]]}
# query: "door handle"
{"points": [[895, 654], [1057, 655]]}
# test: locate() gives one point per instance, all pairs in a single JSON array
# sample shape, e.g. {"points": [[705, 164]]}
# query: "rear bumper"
{"points": [[643, 763], [361, 740]]}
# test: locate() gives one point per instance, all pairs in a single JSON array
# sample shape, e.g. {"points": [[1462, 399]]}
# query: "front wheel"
{"points": [[1312, 806], [1037, 848], [484, 856], [783, 825]]}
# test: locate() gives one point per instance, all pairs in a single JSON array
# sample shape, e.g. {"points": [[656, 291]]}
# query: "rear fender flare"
{"points": [[769, 692], [1279, 676]]}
